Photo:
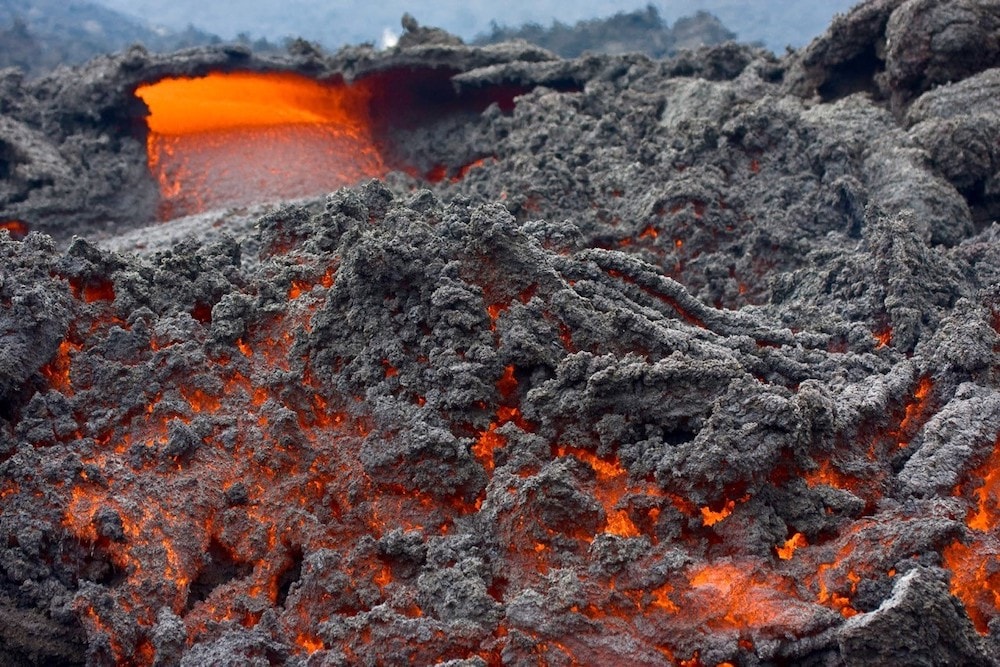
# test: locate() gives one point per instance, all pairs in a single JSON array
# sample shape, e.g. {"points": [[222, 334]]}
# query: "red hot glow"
{"points": [[238, 138]]}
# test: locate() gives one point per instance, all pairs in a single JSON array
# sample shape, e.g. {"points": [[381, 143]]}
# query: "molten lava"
{"points": [[18, 228], [229, 139], [975, 573]]}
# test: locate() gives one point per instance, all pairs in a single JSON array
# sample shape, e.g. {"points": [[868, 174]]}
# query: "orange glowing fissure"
{"points": [[18, 228], [883, 336], [710, 517], [986, 516], [975, 581], [828, 475], [915, 411], [796, 541], [611, 489], [235, 138]]}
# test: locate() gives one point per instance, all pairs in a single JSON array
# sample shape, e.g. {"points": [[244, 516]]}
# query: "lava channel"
{"points": [[238, 138]]}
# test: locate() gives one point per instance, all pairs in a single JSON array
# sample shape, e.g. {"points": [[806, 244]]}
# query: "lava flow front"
{"points": [[675, 363], [243, 137]]}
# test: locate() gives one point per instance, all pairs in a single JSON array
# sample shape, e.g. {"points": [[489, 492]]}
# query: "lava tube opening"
{"points": [[238, 138]]}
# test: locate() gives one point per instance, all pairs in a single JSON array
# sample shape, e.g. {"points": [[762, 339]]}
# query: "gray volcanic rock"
{"points": [[953, 436], [847, 57], [899, 49], [915, 626], [637, 362], [929, 43], [35, 312], [955, 124]]}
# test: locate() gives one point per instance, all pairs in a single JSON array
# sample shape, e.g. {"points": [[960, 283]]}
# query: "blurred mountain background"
{"points": [[37, 35], [641, 30]]}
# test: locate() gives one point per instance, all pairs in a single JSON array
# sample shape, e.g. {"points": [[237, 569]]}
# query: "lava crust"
{"points": [[623, 361]]}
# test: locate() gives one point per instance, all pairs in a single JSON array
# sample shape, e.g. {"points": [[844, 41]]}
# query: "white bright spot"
{"points": [[389, 38]]}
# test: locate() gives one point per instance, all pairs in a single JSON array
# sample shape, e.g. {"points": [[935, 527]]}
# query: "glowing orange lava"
{"points": [[710, 517], [975, 579], [243, 137], [732, 595], [489, 441], [827, 475], [916, 410], [883, 336], [661, 599], [611, 488], [986, 516], [18, 228], [57, 370], [796, 541], [974, 566], [98, 290]]}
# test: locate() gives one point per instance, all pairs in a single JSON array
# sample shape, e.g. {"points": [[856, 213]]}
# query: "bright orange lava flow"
{"points": [[489, 441], [831, 576], [975, 579], [796, 541], [828, 475], [57, 370], [308, 643], [650, 232], [975, 571], [883, 336], [710, 517], [99, 290], [244, 137], [224, 101], [661, 599], [735, 597], [986, 516], [915, 410]]}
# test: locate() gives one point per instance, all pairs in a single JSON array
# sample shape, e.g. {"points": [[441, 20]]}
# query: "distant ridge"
{"points": [[642, 30], [38, 35]]}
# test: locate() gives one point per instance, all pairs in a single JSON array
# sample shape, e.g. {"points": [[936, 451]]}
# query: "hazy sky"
{"points": [[776, 22]]}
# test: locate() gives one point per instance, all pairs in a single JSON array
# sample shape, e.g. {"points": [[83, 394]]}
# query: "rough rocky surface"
{"points": [[691, 361]]}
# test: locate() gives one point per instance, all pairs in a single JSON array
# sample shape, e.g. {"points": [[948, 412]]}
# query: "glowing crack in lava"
{"points": [[295, 461], [238, 138], [18, 229]]}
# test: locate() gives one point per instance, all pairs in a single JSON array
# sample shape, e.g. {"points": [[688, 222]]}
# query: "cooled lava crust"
{"points": [[683, 362]]}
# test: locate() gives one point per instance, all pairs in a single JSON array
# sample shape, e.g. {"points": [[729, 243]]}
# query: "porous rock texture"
{"points": [[696, 364]]}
